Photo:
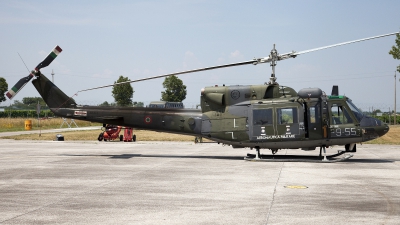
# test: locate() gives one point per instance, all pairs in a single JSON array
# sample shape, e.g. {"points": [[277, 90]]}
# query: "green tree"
{"points": [[33, 100], [105, 103], [123, 93], [18, 105], [395, 51], [175, 91], [138, 104], [3, 89]]}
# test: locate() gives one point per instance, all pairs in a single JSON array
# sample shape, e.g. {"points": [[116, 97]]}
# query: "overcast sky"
{"points": [[102, 40]]}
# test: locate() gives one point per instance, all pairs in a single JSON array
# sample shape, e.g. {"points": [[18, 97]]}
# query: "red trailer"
{"points": [[112, 132], [128, 135]]}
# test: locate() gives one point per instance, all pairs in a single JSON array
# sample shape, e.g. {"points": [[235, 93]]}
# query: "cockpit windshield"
{"points": [[357, 112]]}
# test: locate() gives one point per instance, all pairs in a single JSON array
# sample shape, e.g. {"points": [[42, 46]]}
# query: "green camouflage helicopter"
{"points": [[268, 116]]}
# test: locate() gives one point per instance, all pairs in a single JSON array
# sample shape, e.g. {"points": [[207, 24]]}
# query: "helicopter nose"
{"points": [[373, 127], [383, 130]]}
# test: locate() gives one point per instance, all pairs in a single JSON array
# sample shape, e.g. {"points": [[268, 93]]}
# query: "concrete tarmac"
{"points": [[55, 182], [60, 130]]}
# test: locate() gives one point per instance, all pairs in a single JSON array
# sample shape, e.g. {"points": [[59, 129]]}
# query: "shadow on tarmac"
{"points": [[319, 158], [128, 156], [278, 157], [371, 160]]}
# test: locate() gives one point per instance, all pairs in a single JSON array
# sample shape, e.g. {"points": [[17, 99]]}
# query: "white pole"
{"points": [[394, 118]]}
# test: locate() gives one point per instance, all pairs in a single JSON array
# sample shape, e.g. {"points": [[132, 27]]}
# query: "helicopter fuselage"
{"points": [[260, 116]]}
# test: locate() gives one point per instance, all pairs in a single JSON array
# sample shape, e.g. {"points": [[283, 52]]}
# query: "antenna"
{"points": [[23, 62], [52, 76]]}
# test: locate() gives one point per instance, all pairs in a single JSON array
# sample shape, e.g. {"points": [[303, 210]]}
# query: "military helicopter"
{"points": [[267, 116]]}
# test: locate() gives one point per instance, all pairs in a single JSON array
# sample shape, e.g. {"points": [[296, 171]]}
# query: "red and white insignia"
{"points": [[147, 119], [80, 113]]}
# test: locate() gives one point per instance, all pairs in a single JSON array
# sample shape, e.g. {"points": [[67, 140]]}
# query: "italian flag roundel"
{"points": [[147, 119]]}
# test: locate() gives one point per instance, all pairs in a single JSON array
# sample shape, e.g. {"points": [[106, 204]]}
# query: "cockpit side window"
{"points": [[340, 114], [357, 112], [262, 117]]}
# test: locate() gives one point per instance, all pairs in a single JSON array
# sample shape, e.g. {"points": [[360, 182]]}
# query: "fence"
{"points": [[25, 114]]}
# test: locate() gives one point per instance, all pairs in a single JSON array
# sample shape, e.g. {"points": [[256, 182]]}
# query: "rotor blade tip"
{"points": [[58, 48], [9, 95]]}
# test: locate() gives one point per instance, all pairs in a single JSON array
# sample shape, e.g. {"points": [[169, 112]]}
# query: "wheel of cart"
{"points": [[101, 136]]}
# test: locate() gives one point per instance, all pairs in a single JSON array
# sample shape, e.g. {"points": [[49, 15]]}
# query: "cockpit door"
{"points": [[343, 124], [314, 120]]}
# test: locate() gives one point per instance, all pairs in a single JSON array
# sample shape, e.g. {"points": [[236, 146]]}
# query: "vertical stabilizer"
{"points": [[51, 94]]}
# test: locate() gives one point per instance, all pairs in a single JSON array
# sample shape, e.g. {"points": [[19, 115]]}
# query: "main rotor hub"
{"points": [[274, 58]]}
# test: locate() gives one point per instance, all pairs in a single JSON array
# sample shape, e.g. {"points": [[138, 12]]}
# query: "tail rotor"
{"points": [[23, 81]]}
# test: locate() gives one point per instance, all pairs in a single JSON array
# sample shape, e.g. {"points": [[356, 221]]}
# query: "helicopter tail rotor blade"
{"points": [[52, 55], [23, 81], [18, 86]]}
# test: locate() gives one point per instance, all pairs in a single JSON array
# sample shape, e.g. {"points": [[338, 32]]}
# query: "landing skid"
{"points": [[298, 158]]}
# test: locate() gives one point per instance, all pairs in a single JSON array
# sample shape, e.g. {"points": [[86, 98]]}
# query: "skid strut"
{"points": [[258, 156], [298, 158], [320, 148]]}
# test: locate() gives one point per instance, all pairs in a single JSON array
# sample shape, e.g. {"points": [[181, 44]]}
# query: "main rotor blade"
{"points": [[343, 43], [23, 81], [254, 61], [271, 58]]}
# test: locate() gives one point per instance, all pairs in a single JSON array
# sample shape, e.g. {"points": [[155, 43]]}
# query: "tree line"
{"points": [[175, 91]]}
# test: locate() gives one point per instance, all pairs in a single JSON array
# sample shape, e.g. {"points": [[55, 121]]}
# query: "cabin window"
{"points": [[340, 114], [287, 115], [262, 117], [312, 114]]}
